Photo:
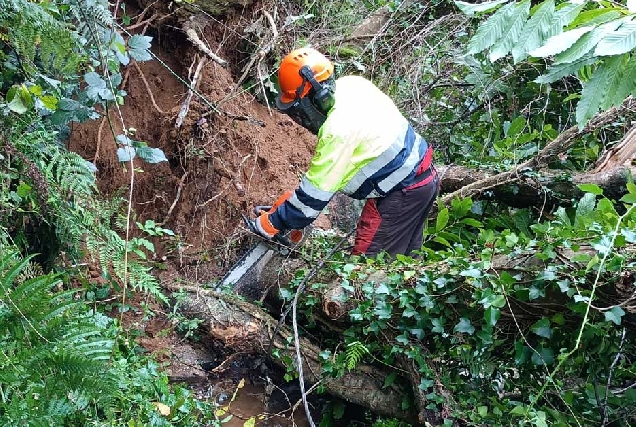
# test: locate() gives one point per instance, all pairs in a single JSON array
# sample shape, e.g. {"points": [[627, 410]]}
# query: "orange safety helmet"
{"points": [[289, 78]]}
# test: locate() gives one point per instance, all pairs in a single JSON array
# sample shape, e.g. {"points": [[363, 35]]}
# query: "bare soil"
{"points": [[219, 166]]}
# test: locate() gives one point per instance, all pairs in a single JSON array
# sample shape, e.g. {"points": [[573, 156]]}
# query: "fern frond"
{"points": [[354, 354]]}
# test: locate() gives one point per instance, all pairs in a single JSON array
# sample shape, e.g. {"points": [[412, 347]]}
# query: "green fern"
{"points": [[52, 350], [38, 37], [354, 354]]}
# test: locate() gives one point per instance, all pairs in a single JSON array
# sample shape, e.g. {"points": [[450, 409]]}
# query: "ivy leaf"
{"points": [[491, 315], [438, 325], [464, 326], [542, 328], [614, 315]]}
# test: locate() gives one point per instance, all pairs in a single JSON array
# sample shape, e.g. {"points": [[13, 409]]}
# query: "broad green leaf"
{"points": [[472, 8], [464, 326], [94, 80], [151, 155], [532, 31], [140, 48], [49, 101], [563, 216], [615, 72], [595, 17], [628, 85], [592, 96], [542, 328], [390, 379], [618, 42], [516, 20], [591, 188], [564, 15], [545, 356], [126, 154], [585, 43], [442, 219], [614, 315], [490, 31], [491, 315], [560, 42], [557, 72], [585, 207]]}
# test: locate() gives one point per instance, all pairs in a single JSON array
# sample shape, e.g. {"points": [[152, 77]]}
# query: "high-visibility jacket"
{"points": [[366, 148]]}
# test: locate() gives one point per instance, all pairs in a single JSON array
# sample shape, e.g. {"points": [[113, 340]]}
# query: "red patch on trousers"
{"points": [[368, 225]]}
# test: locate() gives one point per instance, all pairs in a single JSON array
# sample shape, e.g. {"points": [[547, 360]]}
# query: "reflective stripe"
{"points": [[264, 226], [382, 160], [407, 168], [315, 192], [308, 211]]}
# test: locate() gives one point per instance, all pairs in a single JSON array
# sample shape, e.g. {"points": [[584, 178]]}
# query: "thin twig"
{"points": [[300, 289], [176, 199], [609, 377], [143, 79]]}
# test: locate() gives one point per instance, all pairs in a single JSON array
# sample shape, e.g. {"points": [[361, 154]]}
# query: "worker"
{"points": [[366, 149]]}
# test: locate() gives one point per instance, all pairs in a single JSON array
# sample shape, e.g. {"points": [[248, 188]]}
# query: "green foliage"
{"points": [[576, 35], [63, 364], [532, 342]]}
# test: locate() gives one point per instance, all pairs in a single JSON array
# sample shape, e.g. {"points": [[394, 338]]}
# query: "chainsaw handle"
{"points": [[262, 209]]}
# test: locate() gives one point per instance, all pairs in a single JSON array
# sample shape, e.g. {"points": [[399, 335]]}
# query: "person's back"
{"points": [[366, 149]]}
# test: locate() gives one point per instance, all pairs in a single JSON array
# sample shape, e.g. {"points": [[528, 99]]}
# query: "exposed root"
{"points": [[196, 41], [143, 79]]}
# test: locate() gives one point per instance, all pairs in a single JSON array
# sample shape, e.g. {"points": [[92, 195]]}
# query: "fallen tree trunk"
{"points": [[246, 328], [560, 144], [548, 187]]}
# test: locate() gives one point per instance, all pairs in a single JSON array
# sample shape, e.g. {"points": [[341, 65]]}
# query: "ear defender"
{"points": [[323, 97]]}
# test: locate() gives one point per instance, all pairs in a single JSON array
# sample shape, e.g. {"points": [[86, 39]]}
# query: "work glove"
{"points": [[262, 225]]}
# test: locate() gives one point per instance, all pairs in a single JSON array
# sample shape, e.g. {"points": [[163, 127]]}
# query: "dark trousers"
{"points": [[395, 223]]}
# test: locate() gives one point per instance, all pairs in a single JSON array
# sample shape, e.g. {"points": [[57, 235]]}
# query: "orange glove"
{"points": [[262, 224]]}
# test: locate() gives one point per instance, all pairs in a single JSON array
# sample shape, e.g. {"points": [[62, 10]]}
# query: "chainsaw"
{"points": [[250, 264]]}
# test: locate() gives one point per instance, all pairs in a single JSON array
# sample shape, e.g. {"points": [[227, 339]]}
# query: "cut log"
{"points": [[244, 327]]}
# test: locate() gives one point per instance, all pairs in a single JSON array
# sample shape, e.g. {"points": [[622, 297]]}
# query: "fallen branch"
{"points": [[560, 144]]}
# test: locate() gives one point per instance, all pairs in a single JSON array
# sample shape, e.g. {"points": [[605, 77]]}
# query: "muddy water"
{"points": [[249, 403]]}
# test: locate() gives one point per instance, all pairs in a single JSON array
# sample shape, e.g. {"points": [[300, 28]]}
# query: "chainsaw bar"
{"points": [[240, 270]]}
